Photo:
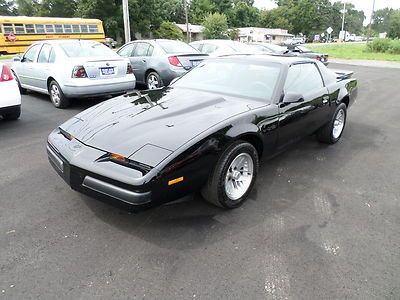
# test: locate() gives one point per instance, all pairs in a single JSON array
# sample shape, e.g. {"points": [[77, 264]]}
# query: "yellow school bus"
{"points": [[18, 33]]}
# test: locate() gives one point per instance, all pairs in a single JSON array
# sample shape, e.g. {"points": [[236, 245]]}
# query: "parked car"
{"points": [[270, 48], [67, 69], [10, 98], [157, 62], [217, 48], [305, 52], [207, 131]]}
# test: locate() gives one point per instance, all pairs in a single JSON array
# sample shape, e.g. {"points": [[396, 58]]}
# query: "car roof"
{"points": [[63, 41], [265, 58]]}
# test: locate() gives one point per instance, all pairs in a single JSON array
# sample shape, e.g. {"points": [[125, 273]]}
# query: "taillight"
{"points": [[6, 74], [318, 58], [173, 60], [79, 72], [129, 70]]}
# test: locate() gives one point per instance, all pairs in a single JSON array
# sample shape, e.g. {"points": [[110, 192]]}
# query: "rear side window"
{"points": [[44, 54], [141, 49], [52, 57], [303, 78], [31, 53]]}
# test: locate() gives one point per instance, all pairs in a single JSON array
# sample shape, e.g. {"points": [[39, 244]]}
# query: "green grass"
{"points": [[352, 51], [8, 56]]}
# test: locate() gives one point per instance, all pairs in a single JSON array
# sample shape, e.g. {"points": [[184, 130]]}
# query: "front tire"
{"points": [[233, 177], [154, 81], [57, 96], [332, 132], [14, 115]]}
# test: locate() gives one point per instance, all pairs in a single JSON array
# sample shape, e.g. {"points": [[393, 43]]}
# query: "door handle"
{"points": [[143, 60]]}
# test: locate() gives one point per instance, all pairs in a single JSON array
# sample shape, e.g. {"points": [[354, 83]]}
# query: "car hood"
{"points": [[166, 119]]}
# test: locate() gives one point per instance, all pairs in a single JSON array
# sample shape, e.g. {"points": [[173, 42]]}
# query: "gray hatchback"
{"points": [[157, 62]]}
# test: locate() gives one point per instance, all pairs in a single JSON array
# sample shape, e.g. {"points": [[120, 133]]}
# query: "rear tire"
{"points": [[154, 81], [332, 132], [57, 96], [233, 177], [12, 116]]}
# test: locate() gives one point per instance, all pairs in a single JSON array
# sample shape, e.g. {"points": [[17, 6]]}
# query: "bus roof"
{"points": [[23, 19]]}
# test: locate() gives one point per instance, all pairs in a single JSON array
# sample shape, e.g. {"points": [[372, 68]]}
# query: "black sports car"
{"points": [[207, 131]]}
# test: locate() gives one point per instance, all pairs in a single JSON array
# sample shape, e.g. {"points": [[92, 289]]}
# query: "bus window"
{"points": [[76, 29], [39, 28], [19, 28], [59, 28], [93, 28], [67, 28], [8, 28], [44, 54], [1, 28], [30, 28], [84, 28], [49, 28]]}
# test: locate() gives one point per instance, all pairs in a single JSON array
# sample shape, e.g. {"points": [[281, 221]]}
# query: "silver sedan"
{"points": [[67, 69]]}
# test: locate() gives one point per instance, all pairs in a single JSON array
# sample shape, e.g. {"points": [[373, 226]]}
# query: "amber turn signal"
{"points": [[176, 180], [117, 156]]}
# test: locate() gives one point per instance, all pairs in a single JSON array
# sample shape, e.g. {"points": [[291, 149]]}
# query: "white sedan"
{"points": [[66, 69], [10, 98]]}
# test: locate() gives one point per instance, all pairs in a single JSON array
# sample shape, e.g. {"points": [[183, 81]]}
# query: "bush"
{"points": [[394, 47], [215, 26], [169, 30], [379, 45]]}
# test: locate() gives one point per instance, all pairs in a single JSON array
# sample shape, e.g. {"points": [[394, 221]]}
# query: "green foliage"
{"points": [[394, 24], [274, 18], [6, 8], [199, 10], [243, 15], [169, 30], [215, 26], [394, 47], [55, 8], [234, 34], [379, 45], [28, 8]]}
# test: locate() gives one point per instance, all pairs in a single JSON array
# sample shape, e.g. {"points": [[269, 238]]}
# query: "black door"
{"points": [[297, 120]]}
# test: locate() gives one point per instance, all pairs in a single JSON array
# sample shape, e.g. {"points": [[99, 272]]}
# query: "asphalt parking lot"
{"points": [[322, 223]]}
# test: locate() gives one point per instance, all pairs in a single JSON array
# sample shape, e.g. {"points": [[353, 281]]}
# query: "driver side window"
{"points": [[30, 55], [303, 78]]}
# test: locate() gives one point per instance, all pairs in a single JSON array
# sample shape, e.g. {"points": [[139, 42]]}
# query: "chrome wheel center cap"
{"points": [[236, 175]]}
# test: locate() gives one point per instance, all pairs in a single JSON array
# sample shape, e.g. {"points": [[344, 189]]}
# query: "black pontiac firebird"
{"points": [[207, 131]]}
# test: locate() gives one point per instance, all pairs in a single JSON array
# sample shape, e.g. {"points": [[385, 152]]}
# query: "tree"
{"points": [[199, 10], [394, 26], [27, 8], [6, 8], [243, 15], [274, 18], [169, 30], [215, 26], [381, 20], [56, 8]]}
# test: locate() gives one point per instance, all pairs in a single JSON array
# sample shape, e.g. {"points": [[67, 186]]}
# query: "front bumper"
{"points": [[95, 185]]}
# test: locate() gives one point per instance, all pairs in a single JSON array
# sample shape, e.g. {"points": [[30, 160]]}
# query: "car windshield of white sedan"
{"points": [[176, 47], [86, 49], [241, 79]]}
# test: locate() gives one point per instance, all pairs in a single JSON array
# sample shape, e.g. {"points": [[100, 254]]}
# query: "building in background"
{"points": [[264, 35], [196, 31]]}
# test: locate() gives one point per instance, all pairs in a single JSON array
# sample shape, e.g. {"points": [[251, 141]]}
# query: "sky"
{"points": [[365, 5]]}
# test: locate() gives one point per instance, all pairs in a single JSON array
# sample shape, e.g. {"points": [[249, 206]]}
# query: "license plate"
{"points": [[195, 63], [107, 71]]}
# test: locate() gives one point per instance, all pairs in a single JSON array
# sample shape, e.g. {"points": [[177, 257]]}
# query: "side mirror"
{"points": [[17, 58], [293, 98]]}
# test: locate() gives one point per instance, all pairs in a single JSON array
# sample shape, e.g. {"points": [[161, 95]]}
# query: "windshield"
{"points": [[176, 47], [241, 79], [86, 49]]}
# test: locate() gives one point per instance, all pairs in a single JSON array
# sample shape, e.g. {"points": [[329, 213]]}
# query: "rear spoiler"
{"points": [[343, 74]]}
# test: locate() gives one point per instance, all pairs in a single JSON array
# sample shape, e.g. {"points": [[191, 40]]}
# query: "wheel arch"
{"points": [[249, 133]]}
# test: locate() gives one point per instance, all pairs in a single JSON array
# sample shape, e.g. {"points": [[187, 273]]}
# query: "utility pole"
{"points": [[187, 21], [370, 21], [127, 26], [344, 12]]}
